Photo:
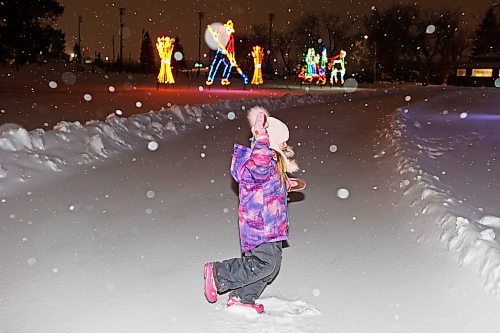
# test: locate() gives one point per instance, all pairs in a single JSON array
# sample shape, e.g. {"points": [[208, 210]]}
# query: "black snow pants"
{"points": [[248, 276]]}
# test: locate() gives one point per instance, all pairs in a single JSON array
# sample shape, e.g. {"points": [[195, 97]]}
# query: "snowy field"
{"points": [[105, 225]]}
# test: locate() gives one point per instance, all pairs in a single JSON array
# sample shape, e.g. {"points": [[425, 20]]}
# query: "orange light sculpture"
{"points": [[165, 46], [258, 55]]}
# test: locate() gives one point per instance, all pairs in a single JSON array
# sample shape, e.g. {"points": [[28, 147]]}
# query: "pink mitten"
{"points": [[260, 122]]}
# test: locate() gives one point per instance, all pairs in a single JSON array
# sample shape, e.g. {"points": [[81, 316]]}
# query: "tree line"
{"points": [[27, 33], [404, 42]]}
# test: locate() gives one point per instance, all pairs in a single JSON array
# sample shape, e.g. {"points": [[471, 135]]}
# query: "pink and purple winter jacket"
{"points": [[262, 209]]}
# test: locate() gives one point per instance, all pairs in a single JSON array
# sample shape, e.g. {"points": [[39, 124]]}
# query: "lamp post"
{"points": [[122, 12], [374, 61], [80, 57], [200, 17], [269, 47]]}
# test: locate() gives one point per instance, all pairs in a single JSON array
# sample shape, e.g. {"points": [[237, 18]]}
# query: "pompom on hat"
{"points": [[278, 133]]}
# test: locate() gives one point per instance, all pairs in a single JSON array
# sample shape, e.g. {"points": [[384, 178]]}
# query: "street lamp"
{"points": [[80, 57], [269, 48], [200, 16], [122, 12]]}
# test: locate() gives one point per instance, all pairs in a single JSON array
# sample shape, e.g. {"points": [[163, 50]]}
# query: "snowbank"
{"points": [[423, 137], [24, 153]]}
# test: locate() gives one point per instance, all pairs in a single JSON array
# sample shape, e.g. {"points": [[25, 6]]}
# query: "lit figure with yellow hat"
{"points": [[258, 55], [338, 66], [165, 46]]}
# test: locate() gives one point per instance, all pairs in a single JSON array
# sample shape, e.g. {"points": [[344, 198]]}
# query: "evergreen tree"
{"points": [[147, 57], [487, 39], [179, 53], [56, 46], [26, 32], [77, 52]]}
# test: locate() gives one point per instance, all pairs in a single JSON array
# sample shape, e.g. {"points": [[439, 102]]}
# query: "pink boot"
{"points": [[210, 289], [256, 306]]}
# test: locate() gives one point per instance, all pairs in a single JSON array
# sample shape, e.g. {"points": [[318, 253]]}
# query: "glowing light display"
{"points": [[309, 71], [311, 61], [338, 66], [223, 36], [258, 55], [316, 67], [165, 46], [322, 68]]}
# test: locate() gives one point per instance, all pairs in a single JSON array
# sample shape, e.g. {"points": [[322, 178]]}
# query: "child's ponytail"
{"points": [[281, 164]]}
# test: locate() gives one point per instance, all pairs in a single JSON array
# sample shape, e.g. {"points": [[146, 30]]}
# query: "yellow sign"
{"points": [[461, 72], [482, 72]]}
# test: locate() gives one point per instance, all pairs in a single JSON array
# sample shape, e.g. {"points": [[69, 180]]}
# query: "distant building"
{"points": [[483, 70]]}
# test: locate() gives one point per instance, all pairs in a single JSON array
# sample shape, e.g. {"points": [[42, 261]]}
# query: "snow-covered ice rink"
{"points": [[105, 225]]}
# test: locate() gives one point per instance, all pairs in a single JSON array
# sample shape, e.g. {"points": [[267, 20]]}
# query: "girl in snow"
{"points": [[263, 223]]}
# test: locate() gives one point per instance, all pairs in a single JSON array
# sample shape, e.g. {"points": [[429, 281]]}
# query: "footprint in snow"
{"points": [[277, 311]]}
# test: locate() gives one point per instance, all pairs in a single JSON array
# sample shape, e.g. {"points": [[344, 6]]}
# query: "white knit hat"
{"points": [[278, 133]]}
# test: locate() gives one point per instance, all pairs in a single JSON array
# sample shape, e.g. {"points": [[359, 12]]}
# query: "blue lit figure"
{"points": [[220, 58], [322, 68], [224, 54]]}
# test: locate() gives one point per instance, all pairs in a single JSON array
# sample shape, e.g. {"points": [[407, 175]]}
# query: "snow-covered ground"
{"points": [[105, 225]]}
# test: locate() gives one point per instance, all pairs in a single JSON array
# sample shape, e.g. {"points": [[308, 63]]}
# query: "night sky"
{"points": [[180, 18]]}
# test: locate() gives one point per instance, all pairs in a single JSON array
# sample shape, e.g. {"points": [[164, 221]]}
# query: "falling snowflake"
{"points": [[152, 145], [343, 193], [350, 85], [231, 116], [69, 78], [87, 97], [430, 29], [178, 56], [53, 84]]}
